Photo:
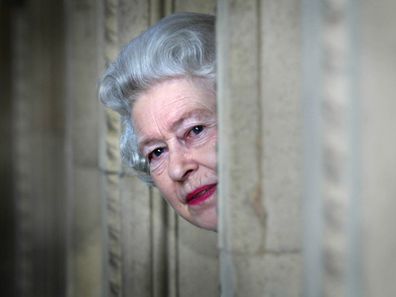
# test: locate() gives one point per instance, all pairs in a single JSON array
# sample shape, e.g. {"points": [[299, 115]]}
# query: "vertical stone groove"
{"points": [[113, 164], [336, 148], [22, 157], [258, 203]]}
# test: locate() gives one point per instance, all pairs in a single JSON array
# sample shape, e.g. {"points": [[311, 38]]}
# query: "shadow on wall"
{"points": [[7, 223]]}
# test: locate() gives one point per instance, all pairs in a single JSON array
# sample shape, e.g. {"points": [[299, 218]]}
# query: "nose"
{"points": [[181, 164]]}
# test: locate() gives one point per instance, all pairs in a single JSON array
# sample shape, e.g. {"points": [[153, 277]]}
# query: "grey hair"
{"points": [[180, 45]]}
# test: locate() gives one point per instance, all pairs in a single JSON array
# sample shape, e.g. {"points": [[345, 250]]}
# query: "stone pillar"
{"points": [[331, 156], [377, 76], [349, 75], [7, 211], [38, 155], [259, 148], [84, 56], [110, 167]]}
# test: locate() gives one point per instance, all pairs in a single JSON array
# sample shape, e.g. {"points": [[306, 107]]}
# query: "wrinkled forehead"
{"points": [[177, 85], [170, 97]]}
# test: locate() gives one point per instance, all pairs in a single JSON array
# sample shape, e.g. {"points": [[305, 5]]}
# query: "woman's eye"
{"points": [[197, 129], [155, 153]]}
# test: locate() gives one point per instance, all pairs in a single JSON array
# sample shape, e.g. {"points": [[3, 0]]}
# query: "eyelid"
{"points": [[146, 151]]}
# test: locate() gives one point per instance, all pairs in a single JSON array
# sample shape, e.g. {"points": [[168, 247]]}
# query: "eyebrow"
{"points": [[201, 113]]}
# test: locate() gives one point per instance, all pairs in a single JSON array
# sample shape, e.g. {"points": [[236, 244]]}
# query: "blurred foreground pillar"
{"points": [[378, 146], [349, 77]]}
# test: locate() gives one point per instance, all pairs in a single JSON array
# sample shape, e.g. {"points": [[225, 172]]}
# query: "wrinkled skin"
{"points": [[176, 124]]}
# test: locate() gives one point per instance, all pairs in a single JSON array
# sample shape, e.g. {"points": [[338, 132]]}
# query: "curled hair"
{"points": [[180, 45]]}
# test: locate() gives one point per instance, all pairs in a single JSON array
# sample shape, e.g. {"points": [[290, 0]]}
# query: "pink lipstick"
{"points": [[200, 194]]}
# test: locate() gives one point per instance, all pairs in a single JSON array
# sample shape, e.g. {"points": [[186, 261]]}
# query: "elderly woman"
{"points": [[163, 84]]}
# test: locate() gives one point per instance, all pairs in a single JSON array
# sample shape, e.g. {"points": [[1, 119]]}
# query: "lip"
{"points": [[200, 194]]}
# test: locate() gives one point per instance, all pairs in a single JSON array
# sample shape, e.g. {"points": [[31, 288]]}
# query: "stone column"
{"points": [[349, 75], [84, 188], [331, 154], [39, 160], [377, 76], [7, 204], [259, 148]]}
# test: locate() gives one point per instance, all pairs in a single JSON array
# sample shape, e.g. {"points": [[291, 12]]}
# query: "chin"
{"points": [[207, 224], [214, 229]]}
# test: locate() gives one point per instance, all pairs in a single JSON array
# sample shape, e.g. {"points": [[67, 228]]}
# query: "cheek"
{"points": [[208, 154], [160, 183], [166, 188], [171, 198]]}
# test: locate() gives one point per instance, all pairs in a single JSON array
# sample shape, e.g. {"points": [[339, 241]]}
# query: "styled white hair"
{"points": [[180, 45]]}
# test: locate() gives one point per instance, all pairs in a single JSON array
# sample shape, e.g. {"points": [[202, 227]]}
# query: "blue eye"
{"points": [[197, 129], [155, 153]]}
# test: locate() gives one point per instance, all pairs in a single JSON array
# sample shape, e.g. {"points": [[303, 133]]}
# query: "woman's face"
{"points": [[176, 124]]}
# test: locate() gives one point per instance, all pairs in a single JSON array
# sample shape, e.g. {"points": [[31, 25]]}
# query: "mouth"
{"points": [[201, 194]]}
